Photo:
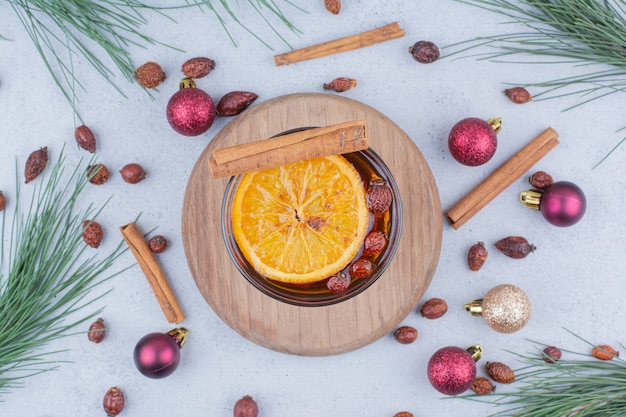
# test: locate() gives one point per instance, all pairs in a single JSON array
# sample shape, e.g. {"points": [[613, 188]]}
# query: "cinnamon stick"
{"points": [[153, 272], [502, 177], [361, 40], [296, 146]]}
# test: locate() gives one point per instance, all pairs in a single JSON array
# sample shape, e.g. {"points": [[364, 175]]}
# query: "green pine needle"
{"points": [[48, 275], [259, 6], [589, 34]]}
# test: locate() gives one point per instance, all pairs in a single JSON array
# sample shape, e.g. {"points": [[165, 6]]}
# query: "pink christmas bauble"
{"points": [[473, 141], [190, 111], [451, 370], [157, 355], [562, 203]]}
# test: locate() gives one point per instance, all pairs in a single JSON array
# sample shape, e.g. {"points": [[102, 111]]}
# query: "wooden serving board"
{"points": [[314, 331]]}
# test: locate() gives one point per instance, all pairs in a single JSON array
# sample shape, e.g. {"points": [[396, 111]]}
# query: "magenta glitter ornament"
{"points": [[157, 355], [562, 203], [190, 111], [473, 141], [451, 370]]}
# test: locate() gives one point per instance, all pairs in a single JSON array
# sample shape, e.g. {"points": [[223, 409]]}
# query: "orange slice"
{"points": [[301, 222]]}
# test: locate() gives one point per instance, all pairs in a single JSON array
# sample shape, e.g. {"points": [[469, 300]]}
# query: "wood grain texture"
{"points": [[314, 331]]}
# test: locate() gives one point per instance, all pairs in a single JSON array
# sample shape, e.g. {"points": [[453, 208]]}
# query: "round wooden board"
{"points": [[314, 331]]}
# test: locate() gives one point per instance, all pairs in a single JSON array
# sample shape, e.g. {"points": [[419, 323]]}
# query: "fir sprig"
{"points": [[63, 30], [47, 278], [574, 386], [60, 30], [590, 34]]}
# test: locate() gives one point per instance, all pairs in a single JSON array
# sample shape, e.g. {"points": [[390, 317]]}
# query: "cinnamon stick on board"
{"points": [[296, 146], [502, 177], [361, 40], [155, 275]]}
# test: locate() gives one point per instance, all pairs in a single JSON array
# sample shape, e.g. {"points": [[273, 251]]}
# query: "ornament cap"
{"points": [[187, 83], [476, 351], [531, 199], [495, 123], [179, 335], [475, 307]]}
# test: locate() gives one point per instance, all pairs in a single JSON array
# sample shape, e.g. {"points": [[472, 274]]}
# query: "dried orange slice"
{"points": [[301, 222]]}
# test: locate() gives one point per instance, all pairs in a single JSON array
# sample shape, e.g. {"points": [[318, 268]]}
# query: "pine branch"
{"points": [[61, 29], [590, 34], [574, 386], [46, 287]]}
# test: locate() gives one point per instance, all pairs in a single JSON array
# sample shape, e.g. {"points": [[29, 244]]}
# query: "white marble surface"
{"points": [[574, 279]]}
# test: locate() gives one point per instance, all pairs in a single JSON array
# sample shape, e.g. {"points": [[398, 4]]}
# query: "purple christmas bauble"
{"points": [[563, 203], [157, 355], [451, 370]]}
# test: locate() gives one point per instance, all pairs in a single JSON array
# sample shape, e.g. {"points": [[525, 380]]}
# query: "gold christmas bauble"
{"points": [[505, 308]]}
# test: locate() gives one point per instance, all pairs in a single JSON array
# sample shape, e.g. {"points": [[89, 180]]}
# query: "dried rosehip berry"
{"points": [[85, 138], [516, 247], [198, 67], [518, 95], [333, 6], [113, 402], [403, 414], [434, 308], [97, 331], [233, 103], [341, 84], [157, 244], [425, 52], [361, 268], [132, 173], [338, 283], [98, 174], [551, 354], [374, 243], [500, 372], [540, 180], [378, 197], [482, 386], [604, 352], [246, 407], [476, 256], [35, 164], [405, 334], [150, 74], [3, 201], [92, 233]]}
